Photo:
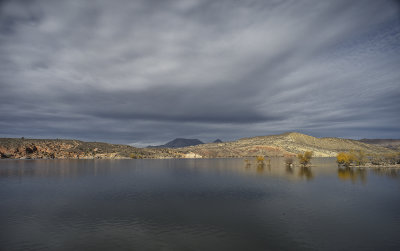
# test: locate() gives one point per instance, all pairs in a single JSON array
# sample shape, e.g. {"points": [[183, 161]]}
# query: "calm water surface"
{"points": [[219, 204]]}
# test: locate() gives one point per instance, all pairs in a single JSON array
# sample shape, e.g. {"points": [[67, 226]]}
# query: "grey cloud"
{"points": [[148, 71]]}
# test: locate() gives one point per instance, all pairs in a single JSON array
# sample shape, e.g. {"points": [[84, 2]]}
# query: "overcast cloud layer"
{"points": [[145, 72]]}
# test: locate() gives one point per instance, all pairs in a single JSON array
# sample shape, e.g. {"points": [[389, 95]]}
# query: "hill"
{"points": [[388, 143], [74, 149], [287, 144], [179, 142], [282, 145]]}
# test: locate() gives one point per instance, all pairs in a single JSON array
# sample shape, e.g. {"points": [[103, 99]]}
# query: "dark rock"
{"points": [[5, 156]]}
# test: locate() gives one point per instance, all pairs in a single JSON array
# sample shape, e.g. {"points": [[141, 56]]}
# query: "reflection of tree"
{"points": [[260, 168], [289, 169], [260, 164], [305, 171], [353, 174], [247, 163], [390, 172]]}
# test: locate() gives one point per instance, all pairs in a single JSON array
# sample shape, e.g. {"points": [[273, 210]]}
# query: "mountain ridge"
{"points": [[388, 143], [286, 144], [20, 148], [179, 142]]}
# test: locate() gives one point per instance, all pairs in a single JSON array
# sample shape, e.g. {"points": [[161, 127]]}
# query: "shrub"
{"points": [[260, 158], [353, 157], [376, 159], [359, 157], [390, 158], [288, 161], [305, 158], [344, 159]]}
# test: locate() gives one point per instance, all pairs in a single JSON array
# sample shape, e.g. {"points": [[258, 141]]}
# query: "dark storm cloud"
{"points": [[147, 71]]}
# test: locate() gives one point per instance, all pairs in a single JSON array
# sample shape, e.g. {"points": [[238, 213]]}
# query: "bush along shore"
{"points": [[362, 160]]}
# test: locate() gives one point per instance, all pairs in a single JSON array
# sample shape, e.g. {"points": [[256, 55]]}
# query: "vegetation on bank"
{"points": [[360, 158], [135, 156]]}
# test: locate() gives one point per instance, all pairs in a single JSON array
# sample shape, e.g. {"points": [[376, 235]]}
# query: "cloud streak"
{"points": [[148, 71]]}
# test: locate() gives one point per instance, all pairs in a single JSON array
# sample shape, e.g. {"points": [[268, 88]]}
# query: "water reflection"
{"points": [[273, 167], [389, 172], [306, 172], [322, 166], [360, 174], [247, 163], [353, 174], [57, 168], [277, 167], [195, 204], [289, 170], [262, 167]]}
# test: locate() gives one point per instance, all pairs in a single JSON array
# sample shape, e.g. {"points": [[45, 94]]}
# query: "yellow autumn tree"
{"points": [[305, 158], [344, 159]]}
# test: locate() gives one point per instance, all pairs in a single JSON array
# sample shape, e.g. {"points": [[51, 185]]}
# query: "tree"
{"points": [[305, 158], [344, 159], [353, 157], [359, 157], [260, 160]]}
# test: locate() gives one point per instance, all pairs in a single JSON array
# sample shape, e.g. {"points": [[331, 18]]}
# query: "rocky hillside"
{"points": [[388, 143], [282, 145], [75, 149], [287, 144]]}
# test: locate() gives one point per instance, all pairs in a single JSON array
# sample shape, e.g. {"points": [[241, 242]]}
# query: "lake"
{"points": [[196, 204]]}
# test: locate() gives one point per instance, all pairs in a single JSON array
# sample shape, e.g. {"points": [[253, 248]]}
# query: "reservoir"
{"points": [[196, 204]]}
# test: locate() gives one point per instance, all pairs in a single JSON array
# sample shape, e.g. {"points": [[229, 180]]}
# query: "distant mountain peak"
{"points": [[180, 142], [217, 141]]}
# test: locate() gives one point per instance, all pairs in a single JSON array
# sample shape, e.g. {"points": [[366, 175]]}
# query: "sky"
{"points": [[144, 72]]}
